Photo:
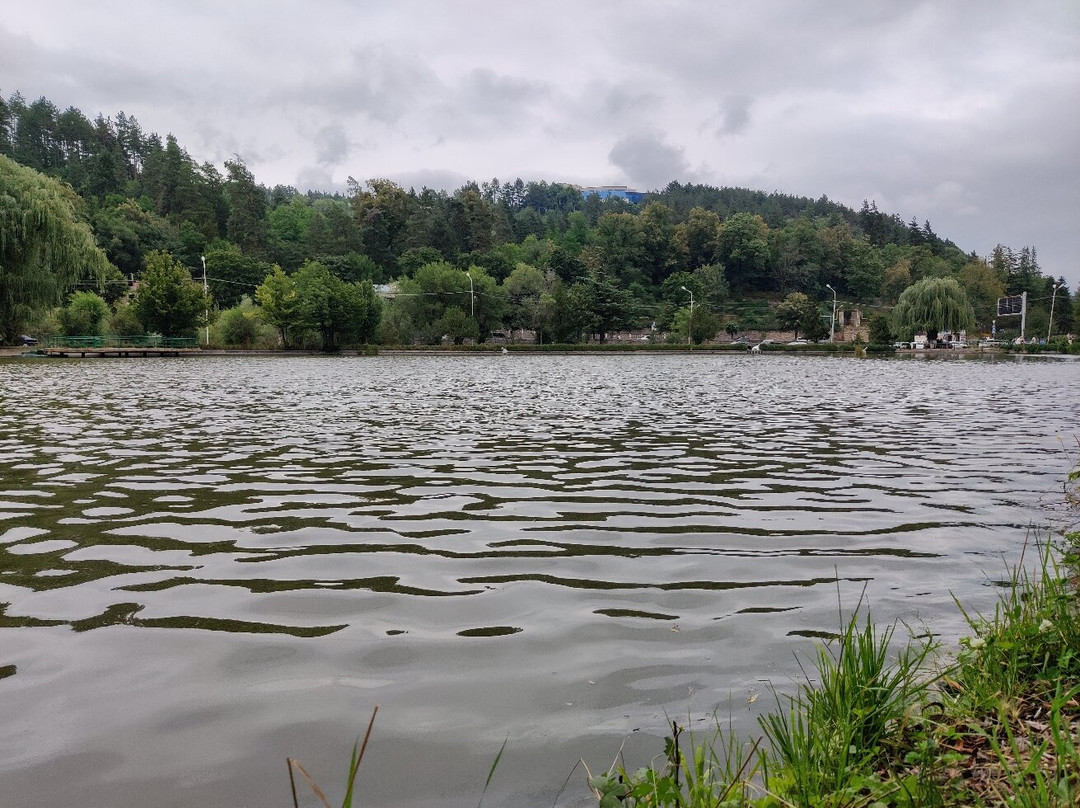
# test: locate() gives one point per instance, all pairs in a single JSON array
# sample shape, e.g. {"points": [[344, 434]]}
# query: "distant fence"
{"points": [[118, 341]]}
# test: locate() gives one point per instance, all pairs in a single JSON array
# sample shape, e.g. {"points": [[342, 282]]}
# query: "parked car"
{"points": [[28, 340]]}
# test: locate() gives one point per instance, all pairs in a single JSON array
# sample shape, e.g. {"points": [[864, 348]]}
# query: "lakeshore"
{"points": [[614, 348]]}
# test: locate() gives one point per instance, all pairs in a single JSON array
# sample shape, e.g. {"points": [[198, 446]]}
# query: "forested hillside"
{"points": [[491, 256]]}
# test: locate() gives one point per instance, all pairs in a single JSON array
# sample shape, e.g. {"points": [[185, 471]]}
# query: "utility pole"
{"points": [[1052, 299], [832, 322], [205, 290], [690, 325], [1023, 317]]}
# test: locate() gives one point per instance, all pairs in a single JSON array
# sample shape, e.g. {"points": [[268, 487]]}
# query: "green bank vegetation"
{"points": [[101, 206]]}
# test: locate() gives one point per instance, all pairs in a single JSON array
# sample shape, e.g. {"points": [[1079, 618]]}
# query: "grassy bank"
{"points": [[995, 722]]}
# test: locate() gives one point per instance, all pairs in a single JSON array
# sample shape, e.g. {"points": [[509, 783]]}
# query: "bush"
{"points": [[240, 327], [123, 321], [84, 315]]}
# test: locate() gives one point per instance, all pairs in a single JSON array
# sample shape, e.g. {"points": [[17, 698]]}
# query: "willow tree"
{"points": [[44, 247], [933, 305]]}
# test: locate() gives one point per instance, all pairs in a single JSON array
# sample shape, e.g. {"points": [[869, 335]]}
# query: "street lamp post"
{"points": [[832, 322], [204, 290], [472, 297], [690, 325], [1053, 297]]}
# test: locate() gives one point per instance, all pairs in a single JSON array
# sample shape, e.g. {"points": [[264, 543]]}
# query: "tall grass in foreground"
{"points": [[1014, 693], [829, 739]]}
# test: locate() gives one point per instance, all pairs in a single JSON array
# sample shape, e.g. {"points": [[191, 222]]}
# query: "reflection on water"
{"points": [[207, 564]]}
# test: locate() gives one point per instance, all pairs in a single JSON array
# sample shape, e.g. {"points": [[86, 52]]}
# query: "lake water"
{"points": [[209, 564]]}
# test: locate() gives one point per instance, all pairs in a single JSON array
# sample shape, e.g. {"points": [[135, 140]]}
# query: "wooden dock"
{"points": [[117, 352]]}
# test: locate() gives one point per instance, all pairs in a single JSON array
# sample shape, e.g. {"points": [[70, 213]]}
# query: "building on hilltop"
{"points": [[612, 192]]}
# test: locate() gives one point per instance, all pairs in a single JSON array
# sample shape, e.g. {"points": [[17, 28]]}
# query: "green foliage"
{"points": [[247, 224], [797, 312], [700, 328], [983, 287], [124, 322], [360, 310], [813, 323], [710, 773], [44, 247], [613, 260], [455, 326], [532, 297], [881, 332], [240, 327], [743, 249], [288, 228], [435, 287], [933, 305], [605, 304], [168, 301], [231, 273], [1029, 645], [280, 303], [84, 315], [333, 308], [126, 232], [829, 737]]}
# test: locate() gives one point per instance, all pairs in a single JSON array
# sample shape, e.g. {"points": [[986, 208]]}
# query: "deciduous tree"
{"points": [[279, 302], [791, 311], [168, 300], [44, 246], [743, 249]]}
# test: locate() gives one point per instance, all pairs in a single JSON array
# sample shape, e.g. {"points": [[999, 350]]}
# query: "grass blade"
{"points": [[295, 764], [491, 772], [354, 760]]}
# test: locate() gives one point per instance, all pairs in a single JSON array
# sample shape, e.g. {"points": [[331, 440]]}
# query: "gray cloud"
{"points": [[331, 145], [961, 114], [317, 177], [648, 162], [437, 179], [734, 114], [374, 81]]}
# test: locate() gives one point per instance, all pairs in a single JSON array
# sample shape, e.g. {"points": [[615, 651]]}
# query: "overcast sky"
{"points": [[963, 113]]}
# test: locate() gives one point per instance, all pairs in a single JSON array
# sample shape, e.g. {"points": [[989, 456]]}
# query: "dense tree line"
{"points": [[491, 256]]}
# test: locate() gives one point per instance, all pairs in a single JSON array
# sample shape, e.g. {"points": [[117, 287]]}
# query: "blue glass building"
{"points": [[612, 191]]}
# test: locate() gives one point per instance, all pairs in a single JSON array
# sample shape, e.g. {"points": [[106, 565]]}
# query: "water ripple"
{"points": [[473, 538]]}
